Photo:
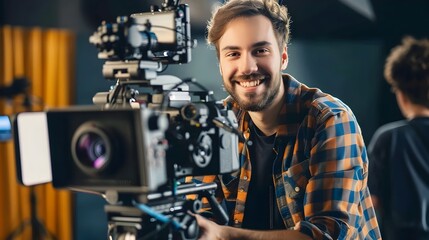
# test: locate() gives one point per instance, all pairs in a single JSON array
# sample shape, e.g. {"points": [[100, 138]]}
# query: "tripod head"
{"points": [[165, 216]]}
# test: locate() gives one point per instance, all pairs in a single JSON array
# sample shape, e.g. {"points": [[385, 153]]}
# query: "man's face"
{"points": [[251, 62]]}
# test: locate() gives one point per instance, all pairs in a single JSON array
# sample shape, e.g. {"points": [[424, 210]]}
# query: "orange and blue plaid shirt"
{"points": [[320, 173]]}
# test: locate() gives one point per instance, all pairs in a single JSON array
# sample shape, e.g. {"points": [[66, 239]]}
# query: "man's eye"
{"points": [[262, 51], [232, 54]]}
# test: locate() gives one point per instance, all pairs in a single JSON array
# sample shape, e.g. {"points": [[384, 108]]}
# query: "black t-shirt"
{"points": [[261, 211], [399, 175]]}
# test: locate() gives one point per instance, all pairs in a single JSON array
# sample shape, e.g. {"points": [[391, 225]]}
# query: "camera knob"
{"points": [[157, 122]]}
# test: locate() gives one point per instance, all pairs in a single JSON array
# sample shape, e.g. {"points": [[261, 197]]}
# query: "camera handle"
{"points": [[204, 190], [219, 213]]}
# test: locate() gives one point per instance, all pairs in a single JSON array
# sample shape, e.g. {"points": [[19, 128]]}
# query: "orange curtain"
{"points": [[46, 58]]}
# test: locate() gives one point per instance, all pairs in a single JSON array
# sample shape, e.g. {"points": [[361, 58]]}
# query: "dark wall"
{"points": [[397, 19], [30, 13]]}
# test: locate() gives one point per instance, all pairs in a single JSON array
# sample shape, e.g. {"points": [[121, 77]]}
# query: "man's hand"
{"points": [[212, 231]]}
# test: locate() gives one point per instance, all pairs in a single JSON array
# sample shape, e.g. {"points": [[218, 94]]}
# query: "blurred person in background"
{"points": [[399, 151]]}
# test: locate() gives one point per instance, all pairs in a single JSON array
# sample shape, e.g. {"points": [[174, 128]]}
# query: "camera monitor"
{"points": [[5, 128]]}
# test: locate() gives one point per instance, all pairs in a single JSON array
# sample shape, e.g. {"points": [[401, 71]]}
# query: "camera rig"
{"points": [[146, 133]]}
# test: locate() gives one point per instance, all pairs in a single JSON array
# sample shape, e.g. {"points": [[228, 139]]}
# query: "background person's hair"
{"points": [[407, 69], [232, 9]]}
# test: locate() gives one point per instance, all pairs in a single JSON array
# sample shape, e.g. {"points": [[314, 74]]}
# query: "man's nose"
{"points": [[248, 64]]}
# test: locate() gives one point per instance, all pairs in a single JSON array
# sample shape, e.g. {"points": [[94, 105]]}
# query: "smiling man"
{"points": [[304, 175]]}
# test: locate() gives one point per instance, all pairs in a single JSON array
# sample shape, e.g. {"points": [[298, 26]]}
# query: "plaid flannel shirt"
{"points": [[320, 173]]}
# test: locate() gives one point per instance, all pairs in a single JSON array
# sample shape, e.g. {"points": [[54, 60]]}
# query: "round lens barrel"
{"points": [[91, 148]]}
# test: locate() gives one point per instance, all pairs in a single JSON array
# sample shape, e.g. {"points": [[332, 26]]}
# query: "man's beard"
{"points": [[266, 99]]}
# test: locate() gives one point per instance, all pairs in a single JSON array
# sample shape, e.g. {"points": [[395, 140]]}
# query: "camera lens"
{"points": [[91, 148]]}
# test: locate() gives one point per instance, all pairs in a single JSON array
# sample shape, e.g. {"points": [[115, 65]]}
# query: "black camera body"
{"points": [[100, 150], [138, 150], [197, 146]]}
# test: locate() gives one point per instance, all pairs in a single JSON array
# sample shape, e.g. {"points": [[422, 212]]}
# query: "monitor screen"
{"points": [[5, 128]]}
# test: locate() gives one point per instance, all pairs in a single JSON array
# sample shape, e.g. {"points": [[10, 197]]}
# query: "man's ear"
{"points": [[285, 58], [401, 97], [403, 103]]}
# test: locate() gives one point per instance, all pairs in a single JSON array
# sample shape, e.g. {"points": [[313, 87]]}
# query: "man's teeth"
{"points": [[250, 83]]}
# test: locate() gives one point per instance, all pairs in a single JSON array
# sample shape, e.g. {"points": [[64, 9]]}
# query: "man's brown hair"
{"points": [[277, 14], [407, 69]]}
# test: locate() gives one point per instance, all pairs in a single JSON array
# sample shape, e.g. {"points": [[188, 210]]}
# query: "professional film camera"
{"points": [[141, 137]]}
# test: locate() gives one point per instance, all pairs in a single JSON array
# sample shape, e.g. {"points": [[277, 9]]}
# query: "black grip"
{"points": [[219, 213]]}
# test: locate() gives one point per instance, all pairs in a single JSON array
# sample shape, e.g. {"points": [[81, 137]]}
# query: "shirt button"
{"points": [[245, 177], [297, 189]]}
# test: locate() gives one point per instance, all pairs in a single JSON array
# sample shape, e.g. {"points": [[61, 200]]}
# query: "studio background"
{"points": [[336, 45]]}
